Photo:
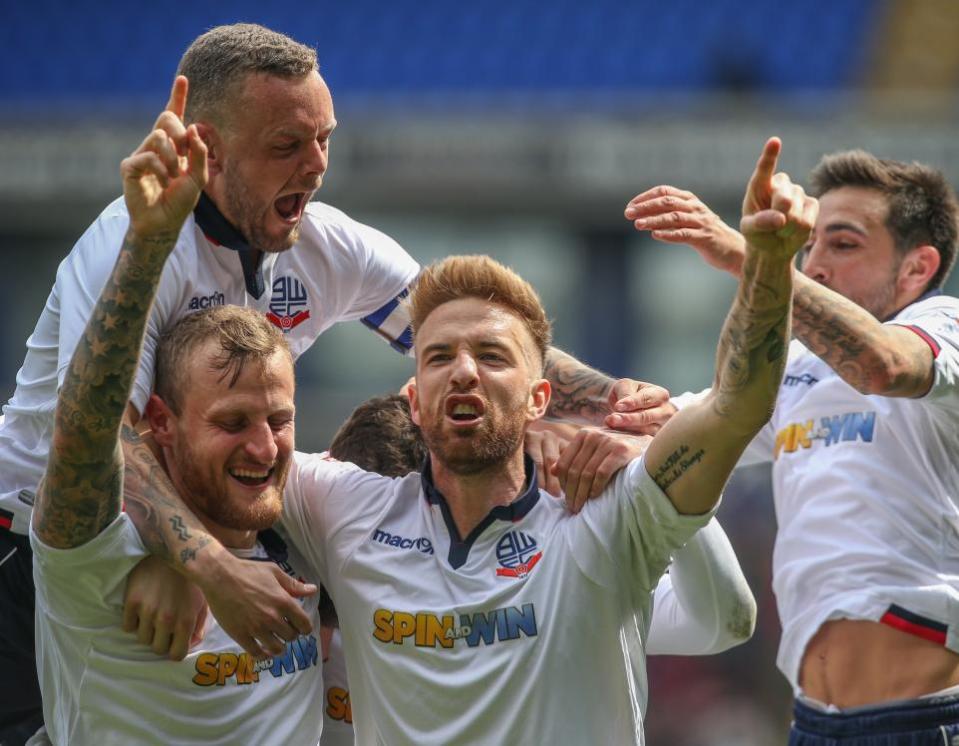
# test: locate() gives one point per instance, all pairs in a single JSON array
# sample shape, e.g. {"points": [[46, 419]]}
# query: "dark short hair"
{"points": [[380, 436], [242, 333], [221, 59], [922, 205]]}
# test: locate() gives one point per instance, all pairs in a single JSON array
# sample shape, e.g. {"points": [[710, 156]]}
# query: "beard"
{"points": [[486, 447], [252, 216], [208, 492]]}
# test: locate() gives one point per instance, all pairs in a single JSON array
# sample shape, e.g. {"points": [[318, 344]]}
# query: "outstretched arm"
{"points": [[872, 357], [81, 491], [693, 455]]}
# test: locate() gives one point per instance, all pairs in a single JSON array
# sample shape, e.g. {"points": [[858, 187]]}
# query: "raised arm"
{"points": [[692, 456], [81, 490], [870, 356]]}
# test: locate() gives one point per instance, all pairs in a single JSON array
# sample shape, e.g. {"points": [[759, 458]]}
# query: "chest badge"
{"points": [[288, 303], [517, 554]]}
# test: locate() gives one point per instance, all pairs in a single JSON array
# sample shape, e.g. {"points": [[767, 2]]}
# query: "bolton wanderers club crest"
{"points": [[288, 303], [517, 554]]}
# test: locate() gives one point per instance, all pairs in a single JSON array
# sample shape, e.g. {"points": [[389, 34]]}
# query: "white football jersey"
{"points": [[337, 711], [866, 490], [338, 270], [101, 686], [529, 630]]}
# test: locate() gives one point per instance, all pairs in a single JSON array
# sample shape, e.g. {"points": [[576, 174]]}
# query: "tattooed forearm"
{"points": [[852, 342], [676, 464], [751, 353], [579, 393], [82, 488], [166, 526]]}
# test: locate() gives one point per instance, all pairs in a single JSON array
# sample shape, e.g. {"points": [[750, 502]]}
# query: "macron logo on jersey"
{"points": [[846, 428], [805, 378], [517, 554], [200, 302], [401, 542], [288, 303]]}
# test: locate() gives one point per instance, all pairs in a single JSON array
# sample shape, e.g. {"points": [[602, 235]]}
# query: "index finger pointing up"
{"points": [[177, 102], [765, 166]]}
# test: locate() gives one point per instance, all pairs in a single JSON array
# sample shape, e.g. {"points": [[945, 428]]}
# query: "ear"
{"points": [[918, 267], [411, 393], [162, 421], [538, 402], [214, 147]]}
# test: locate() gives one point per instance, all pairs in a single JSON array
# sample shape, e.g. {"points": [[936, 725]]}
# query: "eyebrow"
{"points": [[844, 226]]}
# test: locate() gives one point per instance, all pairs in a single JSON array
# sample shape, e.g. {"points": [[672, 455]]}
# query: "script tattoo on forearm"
{"points": [[676, 464], [154, 506], [83, 484], [751, 354], [579, 392]]}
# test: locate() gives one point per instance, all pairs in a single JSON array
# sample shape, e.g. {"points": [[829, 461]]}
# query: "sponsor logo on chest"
{"points": [[840, 428], [201, 302], [430, 630]]}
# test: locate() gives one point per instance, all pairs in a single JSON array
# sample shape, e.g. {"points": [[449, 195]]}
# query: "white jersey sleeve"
{"points": [[380, 269], [936, 321], [81, 586], [703, 605], [626, 537], [329, 507]]}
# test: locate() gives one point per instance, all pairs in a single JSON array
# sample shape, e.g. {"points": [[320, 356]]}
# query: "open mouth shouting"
{"points": [[464, 410], [290, 207]]}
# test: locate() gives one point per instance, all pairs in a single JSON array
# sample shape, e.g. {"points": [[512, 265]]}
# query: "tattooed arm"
{"points": [[585, 396], [80, 493], [695, 452], [872, 357]]}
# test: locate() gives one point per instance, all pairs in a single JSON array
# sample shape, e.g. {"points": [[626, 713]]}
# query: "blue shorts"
{"points": [[916, 722]]}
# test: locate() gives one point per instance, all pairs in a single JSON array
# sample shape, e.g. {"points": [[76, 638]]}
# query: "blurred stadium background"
{"points": [[520, 130]]}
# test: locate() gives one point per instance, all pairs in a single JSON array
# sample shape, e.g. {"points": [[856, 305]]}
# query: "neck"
{"points": [[471, 497]]}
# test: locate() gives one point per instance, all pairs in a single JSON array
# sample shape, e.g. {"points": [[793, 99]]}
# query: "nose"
{"points": [[261, 444], [464, 373], [316, 160], [813, 263]]}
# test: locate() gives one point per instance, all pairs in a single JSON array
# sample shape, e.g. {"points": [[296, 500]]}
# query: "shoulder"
{"points": [[325, 223]]}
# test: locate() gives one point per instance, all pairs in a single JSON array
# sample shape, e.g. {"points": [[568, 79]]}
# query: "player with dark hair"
{"points": [[467, 596], [254, 239], [863, 446]]}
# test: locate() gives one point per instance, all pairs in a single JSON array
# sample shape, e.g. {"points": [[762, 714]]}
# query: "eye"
{"points": [[492, 357], [279, 423], [285, 148], [232, 425], [438, 358]]}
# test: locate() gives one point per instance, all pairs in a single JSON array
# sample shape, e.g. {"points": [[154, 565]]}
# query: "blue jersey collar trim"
{"points": [[221, 232], [515, 511]]}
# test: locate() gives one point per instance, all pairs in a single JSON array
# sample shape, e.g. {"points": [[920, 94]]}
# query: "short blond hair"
{"points": [[243, 334], [458, 277]]}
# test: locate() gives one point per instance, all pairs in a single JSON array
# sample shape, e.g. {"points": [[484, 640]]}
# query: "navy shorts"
{"points": [[916, 722], [21, 711]]}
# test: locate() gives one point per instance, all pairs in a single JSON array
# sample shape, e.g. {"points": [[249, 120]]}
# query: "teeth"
{"points": [[464, 409], [249, 474]]}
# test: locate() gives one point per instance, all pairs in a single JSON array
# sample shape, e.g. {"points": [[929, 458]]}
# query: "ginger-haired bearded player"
{"points": [[521, 625]]}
